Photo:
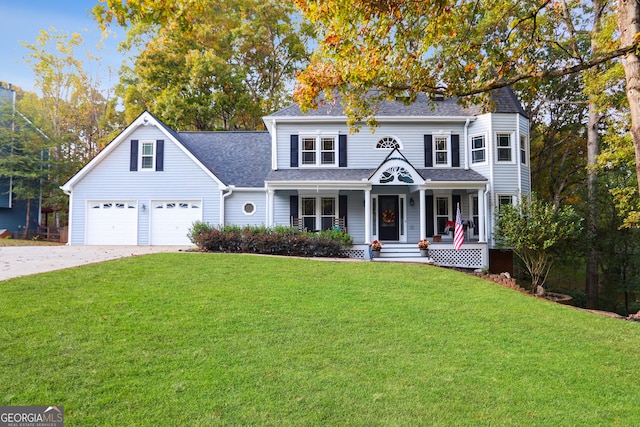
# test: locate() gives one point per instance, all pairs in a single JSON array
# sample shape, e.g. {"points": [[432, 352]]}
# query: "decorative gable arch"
{"points": [[396, 170]]}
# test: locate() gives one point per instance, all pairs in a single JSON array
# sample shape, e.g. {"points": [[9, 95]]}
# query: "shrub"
{"points": [[278, 240]]}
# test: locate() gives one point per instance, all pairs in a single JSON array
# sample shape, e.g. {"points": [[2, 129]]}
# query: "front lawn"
{"points": [[218, 339]]}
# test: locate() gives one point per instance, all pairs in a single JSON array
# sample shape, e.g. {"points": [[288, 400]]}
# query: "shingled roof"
{"points": [[242, 159], [505, 101], [343, 174]]}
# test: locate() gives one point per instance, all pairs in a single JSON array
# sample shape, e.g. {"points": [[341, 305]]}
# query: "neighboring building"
{"points": [[399, 184], [13, 211]]}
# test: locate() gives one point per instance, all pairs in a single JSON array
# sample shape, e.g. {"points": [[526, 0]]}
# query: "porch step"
{"points": [[399, 250]]}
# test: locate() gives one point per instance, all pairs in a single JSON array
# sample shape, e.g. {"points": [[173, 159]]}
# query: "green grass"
{"points": [[213, 339]]}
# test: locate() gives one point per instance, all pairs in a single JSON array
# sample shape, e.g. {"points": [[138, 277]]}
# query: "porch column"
{"points": [[423, 215], [367, 216], [481, 217]]}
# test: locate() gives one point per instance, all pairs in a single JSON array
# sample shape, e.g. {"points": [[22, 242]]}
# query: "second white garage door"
{"points": [[171, 221]]}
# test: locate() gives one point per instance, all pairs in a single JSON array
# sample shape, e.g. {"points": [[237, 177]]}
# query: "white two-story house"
{"points": [[397, 184]]}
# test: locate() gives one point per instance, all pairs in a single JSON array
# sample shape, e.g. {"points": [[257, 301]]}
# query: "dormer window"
{"points": [[388, 142]]}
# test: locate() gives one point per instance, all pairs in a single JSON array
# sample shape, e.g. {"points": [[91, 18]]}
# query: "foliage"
{"points": [[376, 245], [248, 340], [207, 65], [533, 229], [264, 240], [74, 112], [423, 244]]}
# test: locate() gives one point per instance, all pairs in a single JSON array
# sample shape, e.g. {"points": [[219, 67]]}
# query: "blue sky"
{"points": [[21, 21]]}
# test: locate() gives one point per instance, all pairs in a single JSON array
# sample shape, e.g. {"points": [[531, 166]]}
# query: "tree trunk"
{"points": [[591, 279], [629, 26]]}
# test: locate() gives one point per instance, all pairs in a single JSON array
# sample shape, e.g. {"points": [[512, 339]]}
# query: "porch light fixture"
{"points": [[411, 202]]}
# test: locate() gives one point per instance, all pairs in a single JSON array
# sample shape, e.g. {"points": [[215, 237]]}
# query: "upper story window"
{"points": [[523, 149], [441, 150], [388, 142], [504, 147], [478, 149], [318, 150], [147, 155]]}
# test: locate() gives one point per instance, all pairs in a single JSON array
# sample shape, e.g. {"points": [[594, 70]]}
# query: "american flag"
{"points": [[458, 234]]}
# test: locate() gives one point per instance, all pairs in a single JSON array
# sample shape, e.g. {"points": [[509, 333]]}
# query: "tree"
{"points": [[23, 158], [206, 65], [74, 111], [402, 46], [534, 229]]}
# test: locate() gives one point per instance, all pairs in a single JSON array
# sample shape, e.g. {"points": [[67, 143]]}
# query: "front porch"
{"points": [[472, 254]]}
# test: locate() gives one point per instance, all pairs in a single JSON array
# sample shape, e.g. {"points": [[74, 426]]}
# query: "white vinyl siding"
{"points": [[111, 179], [361, 149]]}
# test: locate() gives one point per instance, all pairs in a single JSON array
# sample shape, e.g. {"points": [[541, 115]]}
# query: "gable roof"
{"points": [[505, 101], [240, 159]]}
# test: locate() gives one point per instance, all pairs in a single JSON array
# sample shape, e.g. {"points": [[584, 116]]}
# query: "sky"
{"points": [[21, 21]]}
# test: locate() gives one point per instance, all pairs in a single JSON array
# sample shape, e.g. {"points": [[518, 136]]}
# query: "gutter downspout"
{"points": [[223, 196], [69, 193], [274, 140], [466, 144]]}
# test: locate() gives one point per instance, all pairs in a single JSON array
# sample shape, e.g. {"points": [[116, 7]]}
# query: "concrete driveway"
{"points": [[18, 261]]}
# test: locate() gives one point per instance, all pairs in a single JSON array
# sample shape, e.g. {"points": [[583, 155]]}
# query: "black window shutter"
{"points": [[342, 151], [342, 201], [428, 151], [294, 151], [429, 209], [160, 155], [456, 199], [455, 151], [133, 159], [293, 206]]}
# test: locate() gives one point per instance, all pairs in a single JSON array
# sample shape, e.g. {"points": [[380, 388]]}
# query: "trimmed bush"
{"points": [[273, 241]]}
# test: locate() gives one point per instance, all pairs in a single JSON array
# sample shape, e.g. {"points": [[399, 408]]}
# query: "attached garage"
{"points": [[112, 222], [171, 221]]}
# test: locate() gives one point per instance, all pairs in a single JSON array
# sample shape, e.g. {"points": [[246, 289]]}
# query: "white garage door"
{"points": [[112, 223], [171, 221]]}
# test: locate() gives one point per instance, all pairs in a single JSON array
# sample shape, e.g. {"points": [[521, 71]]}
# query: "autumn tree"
{"points": [[401, 46], [207, 65]]}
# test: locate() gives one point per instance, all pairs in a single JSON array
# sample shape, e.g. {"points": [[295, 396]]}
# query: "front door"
{"points": [[388, 218]]}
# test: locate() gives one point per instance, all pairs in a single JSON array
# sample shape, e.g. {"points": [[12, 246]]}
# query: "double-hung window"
{"points": [[147, 155], [478, 149], [318, 212], [523, 149], [504, 200], [318, 151], [441, 150], [504, 147]]}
